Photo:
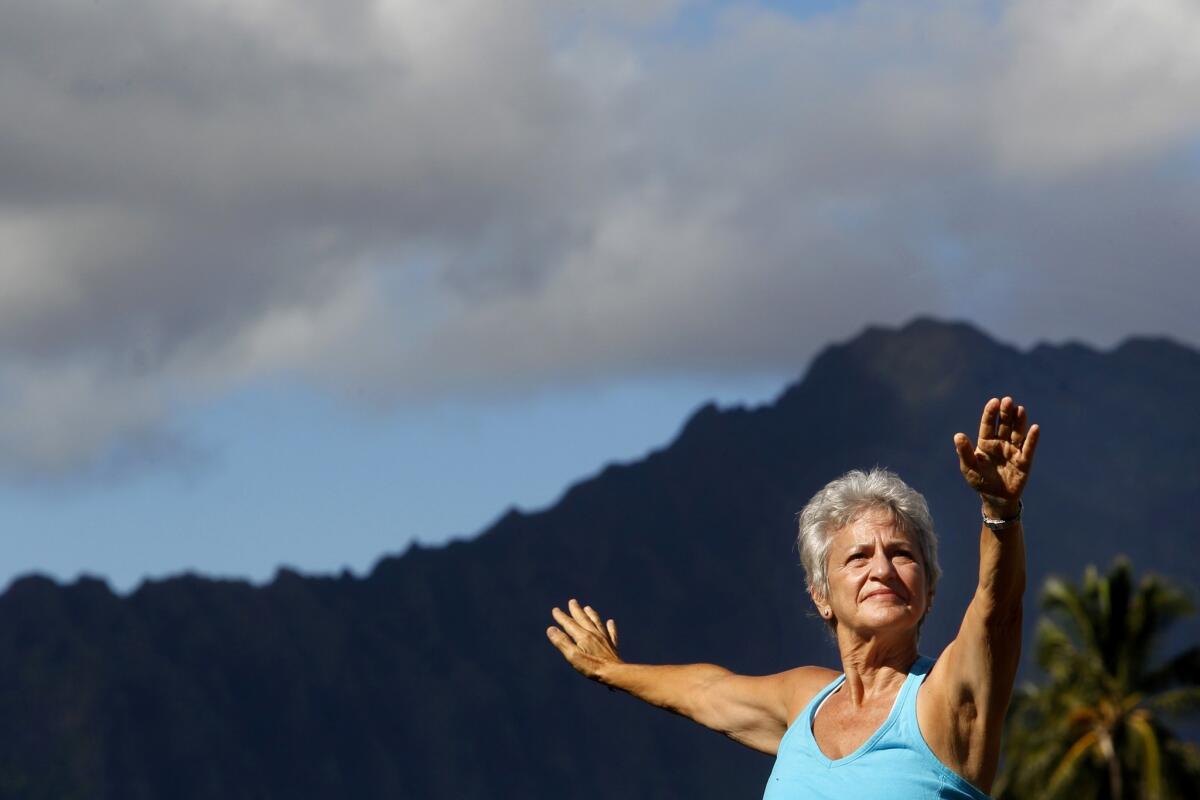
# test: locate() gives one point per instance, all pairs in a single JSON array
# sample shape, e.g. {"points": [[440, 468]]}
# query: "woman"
{"points": [[893, 724]]}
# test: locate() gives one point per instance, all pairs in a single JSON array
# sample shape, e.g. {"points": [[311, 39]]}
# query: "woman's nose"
{"points": [[881, 565]]}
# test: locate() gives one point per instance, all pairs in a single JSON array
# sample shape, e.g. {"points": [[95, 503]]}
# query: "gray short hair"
{"points": [[847, 498]]}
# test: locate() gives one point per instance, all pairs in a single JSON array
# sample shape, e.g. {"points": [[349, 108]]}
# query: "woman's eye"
{"points": [[857, 557]]}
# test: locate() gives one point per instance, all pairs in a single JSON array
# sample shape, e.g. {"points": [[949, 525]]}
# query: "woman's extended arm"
{"points": [[962, 713], [754, 711]]}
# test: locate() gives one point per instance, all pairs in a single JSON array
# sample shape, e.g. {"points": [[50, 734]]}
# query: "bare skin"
{"points": [[877, 598]]}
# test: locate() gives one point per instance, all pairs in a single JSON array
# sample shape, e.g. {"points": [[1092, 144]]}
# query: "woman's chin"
{"points": [[897, 617]]}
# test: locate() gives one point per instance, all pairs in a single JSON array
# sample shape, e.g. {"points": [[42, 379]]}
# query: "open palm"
{"points": [[998, 464]]}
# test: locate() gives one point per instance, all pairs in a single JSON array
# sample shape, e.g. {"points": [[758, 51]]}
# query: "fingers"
{"points": [[1020, 424], [594, 617], [560, 640], [582, 621], [987, 425], [573, 628], [582, 618], [966, 453], [1007, 419], [1030, 445], [583, 638], [609, 630]]}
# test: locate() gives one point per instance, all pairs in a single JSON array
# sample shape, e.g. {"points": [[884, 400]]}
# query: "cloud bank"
{"points": [[402, 201]]}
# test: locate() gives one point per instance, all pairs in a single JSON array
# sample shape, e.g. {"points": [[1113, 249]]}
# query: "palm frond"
{"points": [[1180, 670], [1095, 728], [1114, 593], [1060, 598], [1176, 702], [1181, 768], [1156, 607], [1071, 761], [1151, 757]]}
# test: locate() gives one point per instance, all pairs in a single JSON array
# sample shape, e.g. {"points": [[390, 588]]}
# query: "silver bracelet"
{"points": [[1004, 524]]}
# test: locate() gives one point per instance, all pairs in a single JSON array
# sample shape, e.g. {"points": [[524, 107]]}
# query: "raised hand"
{"points": [[588, 644], [998, 464]]}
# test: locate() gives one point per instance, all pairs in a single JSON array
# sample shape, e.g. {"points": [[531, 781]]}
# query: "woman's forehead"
{"points": [[877, 524]]}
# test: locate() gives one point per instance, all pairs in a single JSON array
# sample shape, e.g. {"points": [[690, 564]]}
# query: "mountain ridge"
{"points": [[430, 675]]}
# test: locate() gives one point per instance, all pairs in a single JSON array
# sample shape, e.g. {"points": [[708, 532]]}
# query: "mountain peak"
{"points": [[923, 360]]}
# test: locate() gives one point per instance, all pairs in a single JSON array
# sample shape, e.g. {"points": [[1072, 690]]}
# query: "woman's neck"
{"points": [[874, 668]]}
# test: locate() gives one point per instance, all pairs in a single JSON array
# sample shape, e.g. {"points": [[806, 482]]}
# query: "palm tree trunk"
{"points": [[1114, 766]]}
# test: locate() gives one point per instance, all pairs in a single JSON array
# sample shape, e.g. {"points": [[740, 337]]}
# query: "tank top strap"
{"points": [[906, 707], [916, 676], [810, 710]]}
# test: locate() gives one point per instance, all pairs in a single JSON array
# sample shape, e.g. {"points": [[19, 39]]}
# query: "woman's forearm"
{"points": [[706, 693], [682, 689], [1001, 568], [750, 710]]}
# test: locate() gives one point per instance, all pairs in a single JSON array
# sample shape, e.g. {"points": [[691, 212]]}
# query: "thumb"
{"points": [[965, 450]]}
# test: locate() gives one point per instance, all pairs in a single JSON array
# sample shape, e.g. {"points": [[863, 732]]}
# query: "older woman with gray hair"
{"points": [[893, 723]]}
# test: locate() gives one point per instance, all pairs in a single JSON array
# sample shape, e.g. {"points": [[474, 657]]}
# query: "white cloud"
{"points": [[402, 200], [74, 418], [1091, 83]]}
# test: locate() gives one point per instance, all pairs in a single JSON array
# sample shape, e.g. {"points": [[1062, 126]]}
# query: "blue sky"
{"points": [[297, 283], [294, 478]]}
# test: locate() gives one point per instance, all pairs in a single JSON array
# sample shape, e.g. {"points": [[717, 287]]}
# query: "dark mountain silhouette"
{"points": [[432, 677]]}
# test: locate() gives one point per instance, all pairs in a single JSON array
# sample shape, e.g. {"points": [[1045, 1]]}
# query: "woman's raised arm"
{"points": [[963, 712], [754, 711]]}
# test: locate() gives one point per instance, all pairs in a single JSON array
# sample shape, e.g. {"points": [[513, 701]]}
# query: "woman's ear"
{"points": [[822, 605], [928, 606]]}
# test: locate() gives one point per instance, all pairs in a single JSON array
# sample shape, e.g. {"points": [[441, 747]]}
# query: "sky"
{"points": [[303, 282]]}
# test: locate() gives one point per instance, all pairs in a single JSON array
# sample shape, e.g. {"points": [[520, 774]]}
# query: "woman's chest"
{"points": [[839, 728]]}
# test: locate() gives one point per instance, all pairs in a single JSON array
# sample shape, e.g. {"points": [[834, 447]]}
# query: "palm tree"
{"points": [[1097, 728]]}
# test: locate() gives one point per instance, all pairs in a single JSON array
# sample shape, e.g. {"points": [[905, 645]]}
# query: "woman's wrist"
{"points": [[1000, 508], [607, 672]]}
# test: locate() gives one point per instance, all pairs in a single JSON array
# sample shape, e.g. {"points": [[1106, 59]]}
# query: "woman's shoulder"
{"points": [[803, 684]]}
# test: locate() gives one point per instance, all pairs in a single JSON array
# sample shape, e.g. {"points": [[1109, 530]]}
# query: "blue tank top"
{"points": [[895, 763]]}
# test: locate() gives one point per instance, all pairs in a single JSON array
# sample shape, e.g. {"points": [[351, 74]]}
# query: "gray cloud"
{"points": [[404, 200]]}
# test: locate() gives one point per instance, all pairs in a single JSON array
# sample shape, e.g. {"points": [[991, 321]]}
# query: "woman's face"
{"points": [[877, 578]]}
